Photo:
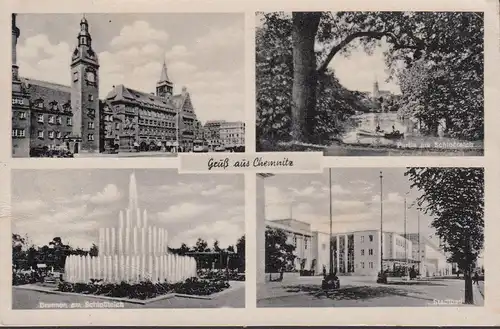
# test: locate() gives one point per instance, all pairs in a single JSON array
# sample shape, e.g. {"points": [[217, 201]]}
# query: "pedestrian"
{"points": [[475, 279], [324, 270]]}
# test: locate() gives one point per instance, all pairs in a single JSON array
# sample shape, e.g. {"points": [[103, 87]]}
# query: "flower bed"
{"points": [[146, 289], [23, 278]]}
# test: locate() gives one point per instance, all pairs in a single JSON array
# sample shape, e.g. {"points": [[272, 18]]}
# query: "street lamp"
{"points": [[177, 130], [406, 247]]}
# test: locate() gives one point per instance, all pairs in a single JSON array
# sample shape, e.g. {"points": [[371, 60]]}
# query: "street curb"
{"points": [[132, 301]]}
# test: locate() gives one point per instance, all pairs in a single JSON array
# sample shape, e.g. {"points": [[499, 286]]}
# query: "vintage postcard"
{"points": [[253, 163]]}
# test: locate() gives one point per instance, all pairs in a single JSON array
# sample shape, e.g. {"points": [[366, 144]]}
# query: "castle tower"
{"points": [[85, 93], [164, 87], [376, 90], [21, 114], [15, 36]]}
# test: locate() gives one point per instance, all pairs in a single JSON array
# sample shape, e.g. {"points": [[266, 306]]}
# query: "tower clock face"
{"points": [[90, 76]]}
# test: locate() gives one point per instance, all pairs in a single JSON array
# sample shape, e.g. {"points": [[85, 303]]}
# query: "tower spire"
{"points": [[164, 73], [132, 193]]}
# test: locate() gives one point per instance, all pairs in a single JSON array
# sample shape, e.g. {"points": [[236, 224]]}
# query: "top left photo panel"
{"points": [[127, 85]]}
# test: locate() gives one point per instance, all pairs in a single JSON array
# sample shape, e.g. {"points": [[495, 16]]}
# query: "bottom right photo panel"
{"points": [[371, 237]]}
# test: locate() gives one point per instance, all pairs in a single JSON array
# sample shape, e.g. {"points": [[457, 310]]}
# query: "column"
{"points": [[127, 268], [162, 274], [145, 219], [138, 214]]}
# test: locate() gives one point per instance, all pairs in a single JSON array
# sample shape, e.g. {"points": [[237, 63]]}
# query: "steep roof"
{"points": [[122, 93], [47, 91]]}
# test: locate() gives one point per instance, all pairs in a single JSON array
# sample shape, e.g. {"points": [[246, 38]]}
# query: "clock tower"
{"points": [[84, 94]]}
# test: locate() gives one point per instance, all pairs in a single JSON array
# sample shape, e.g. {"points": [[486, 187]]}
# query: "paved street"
{"points": [[362, 292], [28, 299]]}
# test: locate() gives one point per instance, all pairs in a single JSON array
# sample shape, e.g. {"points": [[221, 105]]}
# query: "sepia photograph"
{"points": [[372, 237], [127, 85], [101, 238], [370, 83]]}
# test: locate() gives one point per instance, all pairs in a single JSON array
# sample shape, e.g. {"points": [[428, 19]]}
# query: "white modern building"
{"points": [[358, 252]]}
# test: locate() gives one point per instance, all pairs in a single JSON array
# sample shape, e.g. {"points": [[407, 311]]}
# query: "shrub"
{"points": [[146, 289]]}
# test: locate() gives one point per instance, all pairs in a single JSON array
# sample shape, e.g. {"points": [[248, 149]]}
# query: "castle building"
{"points": [[47, 116]]}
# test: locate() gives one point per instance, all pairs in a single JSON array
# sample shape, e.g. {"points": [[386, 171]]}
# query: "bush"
{"points": [[22, 278], [146, 289]]}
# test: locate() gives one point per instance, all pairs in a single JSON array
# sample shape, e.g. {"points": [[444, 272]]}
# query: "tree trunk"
{"points": [[305, 26], [469, 296]]}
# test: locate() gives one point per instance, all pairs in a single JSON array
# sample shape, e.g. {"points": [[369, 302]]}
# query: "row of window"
{"points": [[400, 243], [155, 114], [52, 119], [18, 133], [53, 134], [157, 123], [156, 132], [370, 237], [229, 135], [370, 264], [370, 252]]}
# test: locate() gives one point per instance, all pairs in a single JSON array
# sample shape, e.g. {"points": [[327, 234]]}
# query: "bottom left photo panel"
{"points": [[125, 238]]}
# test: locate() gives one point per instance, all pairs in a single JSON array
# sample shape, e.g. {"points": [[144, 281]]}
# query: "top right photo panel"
{"points": [[370, 83]]}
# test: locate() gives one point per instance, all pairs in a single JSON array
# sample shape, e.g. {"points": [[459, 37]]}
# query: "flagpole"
{"points": [[381, 226]]}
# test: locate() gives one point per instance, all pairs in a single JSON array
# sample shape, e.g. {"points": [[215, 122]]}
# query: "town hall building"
{"points": [[47, 115]]}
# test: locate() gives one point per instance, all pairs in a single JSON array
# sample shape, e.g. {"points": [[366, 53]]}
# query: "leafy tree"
{"points": [[216, 246], [455, 198], [240, 250], [279, 253], [94, 250], [315, 38], [201, 245]]}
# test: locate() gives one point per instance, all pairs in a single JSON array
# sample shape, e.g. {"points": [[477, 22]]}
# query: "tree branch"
{"points": [[372, 34]]}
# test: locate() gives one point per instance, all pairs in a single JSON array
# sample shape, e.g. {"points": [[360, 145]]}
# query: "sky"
{"points": [[359, 71], [204, 52], [74, 204], [355, 200]]}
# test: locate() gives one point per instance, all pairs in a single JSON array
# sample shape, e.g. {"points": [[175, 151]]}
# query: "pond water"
{"points": [[412, 138]]}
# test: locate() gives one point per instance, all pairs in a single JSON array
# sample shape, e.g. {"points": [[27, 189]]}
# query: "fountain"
{"points": [[134, 251]]}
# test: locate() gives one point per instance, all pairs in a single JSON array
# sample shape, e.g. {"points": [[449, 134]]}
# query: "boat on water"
{"points": [[367, 133], [381, 134]]}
